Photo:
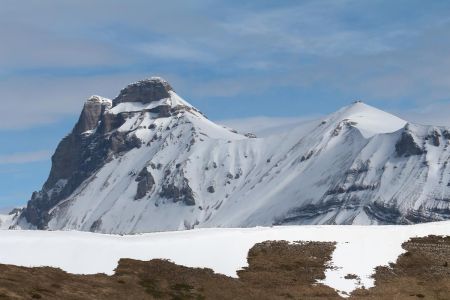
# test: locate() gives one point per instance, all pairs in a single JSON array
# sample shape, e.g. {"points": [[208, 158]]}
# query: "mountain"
{"points": [[150, 161]]}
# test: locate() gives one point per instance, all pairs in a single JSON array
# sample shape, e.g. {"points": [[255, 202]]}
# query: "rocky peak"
{"points": [[93, 109], [144, 91]]}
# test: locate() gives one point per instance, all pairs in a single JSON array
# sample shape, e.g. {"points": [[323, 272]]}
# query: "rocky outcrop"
{"points": [[144, 91], [307, 212], [145, 182], [434, 138], [384, 213], [95, 227], [123, 142], [91, 114], [406, 145], [178, 193]]}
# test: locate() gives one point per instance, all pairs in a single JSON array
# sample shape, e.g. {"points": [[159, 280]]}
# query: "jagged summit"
{"points": [[99, 99], [144, 91]]}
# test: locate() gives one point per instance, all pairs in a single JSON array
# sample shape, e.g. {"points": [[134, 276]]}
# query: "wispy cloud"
{"points": [[23, 158], [264, 126], [433, 114], [218, 48], [174, 50]]}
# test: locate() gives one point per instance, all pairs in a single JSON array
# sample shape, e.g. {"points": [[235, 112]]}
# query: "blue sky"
{"points": [[231, 59]]}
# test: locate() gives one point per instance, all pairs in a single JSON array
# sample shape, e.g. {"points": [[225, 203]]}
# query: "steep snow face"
{"points": [[153, 162]]}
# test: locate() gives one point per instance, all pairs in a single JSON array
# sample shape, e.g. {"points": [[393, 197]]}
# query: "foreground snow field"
{"points": [[359, 248]]}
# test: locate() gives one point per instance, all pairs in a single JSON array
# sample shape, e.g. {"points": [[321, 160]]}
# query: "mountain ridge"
{"points": [[149, 161]]}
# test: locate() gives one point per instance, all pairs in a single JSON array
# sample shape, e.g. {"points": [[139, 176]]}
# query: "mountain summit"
{"points": [[145, 91], [150, 161]]}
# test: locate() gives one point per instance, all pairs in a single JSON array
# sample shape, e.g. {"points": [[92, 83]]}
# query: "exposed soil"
{"points": [[277, 270]]}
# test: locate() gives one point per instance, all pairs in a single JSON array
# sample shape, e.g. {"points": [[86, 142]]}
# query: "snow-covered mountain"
{"points": [[150, 161]]}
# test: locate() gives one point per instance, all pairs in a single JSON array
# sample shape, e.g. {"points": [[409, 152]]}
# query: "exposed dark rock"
{"points": [[251, 135], [352, 276], [112, 121], [351, 188], [122, 142], [91, 114], [96, 225], [406, 146], [446, 134], [144, 91], [176, 193], [210, 189], [307, 156], [387, 214], [434, 138], [145, 182], [163, 111], [309, 211]]}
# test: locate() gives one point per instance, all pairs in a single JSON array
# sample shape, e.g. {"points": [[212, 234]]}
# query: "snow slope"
{"points": [[5, 221], [170, 168], [359, 248]]}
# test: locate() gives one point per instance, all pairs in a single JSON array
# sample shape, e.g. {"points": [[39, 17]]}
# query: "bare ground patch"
{"points": [[277, 270]]}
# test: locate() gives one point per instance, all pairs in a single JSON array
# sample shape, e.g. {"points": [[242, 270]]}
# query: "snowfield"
{"points": [[359, 248]]}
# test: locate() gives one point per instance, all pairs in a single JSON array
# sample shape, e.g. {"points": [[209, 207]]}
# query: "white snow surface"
{"points": [[359, 248], [370, 120], [6, 221]]}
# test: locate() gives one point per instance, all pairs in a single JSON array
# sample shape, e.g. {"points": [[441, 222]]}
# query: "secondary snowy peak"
{"points": [[367, 119]]}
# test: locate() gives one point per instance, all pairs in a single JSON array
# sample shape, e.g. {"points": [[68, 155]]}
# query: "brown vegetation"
{"points": [[422, 272], [277, 270]]}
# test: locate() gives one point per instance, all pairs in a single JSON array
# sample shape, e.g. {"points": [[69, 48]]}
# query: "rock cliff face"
{"points": [[150, 161], [145, 182], [145, 91]]}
